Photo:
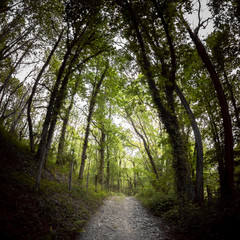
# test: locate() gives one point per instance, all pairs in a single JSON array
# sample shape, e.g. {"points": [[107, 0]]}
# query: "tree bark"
{"points": [[108, 174], [146, 146], [119, 174], [169, 119], [102, 156], [61, 144], [233, 100], [70, 176], [89, 119], [40, 155], [217, 144], [199, 146], [30, 126], [88, 173], [7, 80], [60, 98], [227, 125], [14, 125]]}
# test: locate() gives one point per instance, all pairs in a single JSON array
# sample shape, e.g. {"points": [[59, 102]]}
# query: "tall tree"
{"points": [[32, 147], [166, 114], [92, 103], [228, 142], [147, 148], [61, 143]]}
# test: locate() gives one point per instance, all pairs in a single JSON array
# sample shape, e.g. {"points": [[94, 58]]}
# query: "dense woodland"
{"points": [[131, 96]]}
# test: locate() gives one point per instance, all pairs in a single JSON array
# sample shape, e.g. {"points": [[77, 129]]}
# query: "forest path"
{"points": [[124, 218]]}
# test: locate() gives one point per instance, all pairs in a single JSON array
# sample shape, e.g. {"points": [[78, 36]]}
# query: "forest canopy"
{"points": [[129, 94]]}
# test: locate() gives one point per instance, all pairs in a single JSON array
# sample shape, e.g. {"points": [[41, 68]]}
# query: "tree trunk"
{"points": [[14, 125], [40, 155], [150, 157], [134, 177], [218, 146], [58, 104], [233, 100], [70, 176], [169, 119], [32, 147], [60, 98], [7, 80], [108, 166], [227, 125], [89, 118], [52, 112], [102, 156], [108, 175], [119, 174], [199, 146], [88, 173], [61, 144]]}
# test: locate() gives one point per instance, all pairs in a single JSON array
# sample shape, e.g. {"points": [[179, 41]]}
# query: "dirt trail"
{"points": [[121, 218]]}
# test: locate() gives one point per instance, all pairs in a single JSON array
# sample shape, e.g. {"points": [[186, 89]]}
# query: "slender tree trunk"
{"points": [[14, 125], [52, 111], [58, 104], [102, 156], [56, 99], [70, 176], [134, 178], [108, 166], [60, 98], [30, 126], [21, 133], [147, 149], [233, 100], [7, 80], [108, 174], [39, 174], [199, 146], [88, 173], [40, 155], [16, 44], [61, 144], [89, 119], [218, 146], [46, 135], [227, 125], [119, 174]]}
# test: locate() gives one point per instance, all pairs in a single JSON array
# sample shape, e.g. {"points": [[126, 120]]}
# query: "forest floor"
{"points": [[55, 213], [124, 218], [51, 213]]}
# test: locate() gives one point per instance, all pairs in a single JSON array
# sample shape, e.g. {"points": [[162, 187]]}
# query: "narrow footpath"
{"points": [[124, 218]]}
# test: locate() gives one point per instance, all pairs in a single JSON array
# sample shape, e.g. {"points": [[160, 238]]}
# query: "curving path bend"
{"points": [[121, 218]]}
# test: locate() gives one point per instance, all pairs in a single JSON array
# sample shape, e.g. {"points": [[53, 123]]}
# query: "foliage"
{"points": [[107, 94]]}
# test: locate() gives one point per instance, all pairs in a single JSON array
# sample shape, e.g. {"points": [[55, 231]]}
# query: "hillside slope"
{"points": [[53, 212]]}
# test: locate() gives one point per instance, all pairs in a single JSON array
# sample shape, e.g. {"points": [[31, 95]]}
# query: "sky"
{"points": [[204, 15]]}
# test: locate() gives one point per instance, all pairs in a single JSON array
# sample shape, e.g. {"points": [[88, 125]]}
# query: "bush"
{"points": [[158, 202], [215, 220]]}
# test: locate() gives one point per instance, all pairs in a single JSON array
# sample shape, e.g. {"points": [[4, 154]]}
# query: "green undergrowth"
{"points": [[52, 212], [217, 219]]}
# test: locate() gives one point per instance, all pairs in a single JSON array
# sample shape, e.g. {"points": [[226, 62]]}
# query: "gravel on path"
{"points": [[124, 218]]}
